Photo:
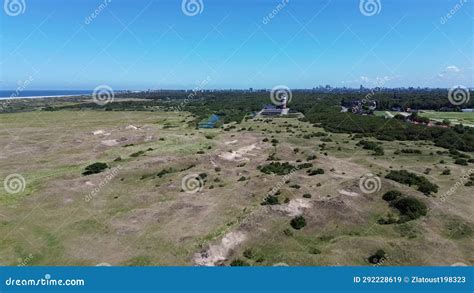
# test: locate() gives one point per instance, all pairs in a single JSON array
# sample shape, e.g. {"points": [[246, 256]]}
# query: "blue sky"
{"points": [[153, 44]]}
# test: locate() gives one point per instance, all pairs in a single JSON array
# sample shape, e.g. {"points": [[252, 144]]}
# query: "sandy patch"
{"points": [[295, 207], [219, 252], [231, 142], [348, 193], [100, 132], [110, 142], [238, 156], [131, 127]]}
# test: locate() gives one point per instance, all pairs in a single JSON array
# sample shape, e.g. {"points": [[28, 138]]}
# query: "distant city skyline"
{"points": [[210, 44]]}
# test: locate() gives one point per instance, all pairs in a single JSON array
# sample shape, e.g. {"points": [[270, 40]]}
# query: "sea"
{"points": [[7, 94]]}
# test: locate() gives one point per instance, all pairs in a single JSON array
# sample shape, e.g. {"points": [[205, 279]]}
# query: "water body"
{"points": [[6, 94]]}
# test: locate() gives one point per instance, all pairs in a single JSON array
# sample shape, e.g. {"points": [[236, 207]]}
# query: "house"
{"points": [[363, 107], [270, 110]]}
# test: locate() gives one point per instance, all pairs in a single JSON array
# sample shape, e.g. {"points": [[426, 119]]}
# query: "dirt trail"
{"points": [[219, 252]]}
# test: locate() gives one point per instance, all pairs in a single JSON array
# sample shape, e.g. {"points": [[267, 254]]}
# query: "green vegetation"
{"points": [[391, 195], [277, 168], [373, 146], [239, 263], [410, 179], [270, 200], [378, 257], [315, 172], [298, 222], [95, 168], [410, 208]]}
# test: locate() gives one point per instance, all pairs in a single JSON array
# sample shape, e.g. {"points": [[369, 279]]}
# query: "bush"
{"points": [[270, 200], [410, 179], [278, 168], [411, 151], [242, 179], [410, 208], [239, 263], [315, 172], [378, 257], [305, 166], [462, 162], [373, 146], [446, 172], [298, 222], [95, 168], [307, 195], [248, 253], [391, 195]]}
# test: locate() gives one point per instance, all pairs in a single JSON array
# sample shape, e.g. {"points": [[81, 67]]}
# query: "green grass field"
{"points": [[136, 217]]}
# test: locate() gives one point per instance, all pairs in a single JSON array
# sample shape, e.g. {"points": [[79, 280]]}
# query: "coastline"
{"points": [[44, 97]]}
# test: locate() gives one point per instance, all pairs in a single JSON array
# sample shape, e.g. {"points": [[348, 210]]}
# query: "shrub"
{"points": [[373, 146], [311, 158], [446, 172], [378, 257], [391, 195], [288, 232], [270, 200], [305, 166], [410, 208], [314, 250], [95, 168], [462, 162], [248, 253], [277, 168], [315, 172], [295, 186], [410, 151], [298, 222], [307, 195], [410, 179], [239, 263], [242, 178], [137, 154]]}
